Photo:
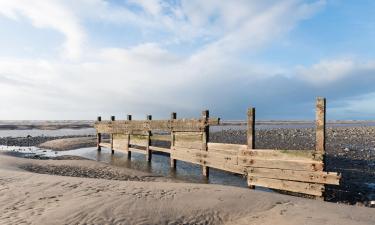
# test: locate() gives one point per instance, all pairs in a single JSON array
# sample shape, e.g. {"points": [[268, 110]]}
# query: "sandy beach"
{"points": [[140, 198]]}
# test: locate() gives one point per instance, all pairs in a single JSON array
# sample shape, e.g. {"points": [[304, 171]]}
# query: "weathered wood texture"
{"points": [[251, 128], [320, 127], [205, 139], [299, 171], [129, 126], [286, 185]]}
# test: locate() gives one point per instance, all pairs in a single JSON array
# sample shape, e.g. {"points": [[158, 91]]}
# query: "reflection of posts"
{"points": [[98, 136], [173, 161]]}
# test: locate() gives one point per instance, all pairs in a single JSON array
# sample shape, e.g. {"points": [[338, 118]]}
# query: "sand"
{"points": [[69, 143], [33, 198]]}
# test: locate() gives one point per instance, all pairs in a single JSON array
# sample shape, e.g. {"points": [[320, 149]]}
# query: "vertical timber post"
{"points": [[320, 144], [205, 139], [173, 161], [98, 136], [113, 151], [148, 151], [129, 118], [251, 132]]}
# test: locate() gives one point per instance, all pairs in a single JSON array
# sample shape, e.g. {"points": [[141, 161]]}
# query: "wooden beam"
{"points": [[160, 149], [293, 175], [278, 154], [293, 186], [205, 139], [320, 126], [173, 161], [126, 126], [304, 165], [98, 136]]}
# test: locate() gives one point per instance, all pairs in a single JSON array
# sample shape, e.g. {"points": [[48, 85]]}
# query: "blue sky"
{"points": [[76, 59]]}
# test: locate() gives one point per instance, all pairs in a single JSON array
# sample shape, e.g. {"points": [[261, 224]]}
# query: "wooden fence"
{"points": [[300, 171]]}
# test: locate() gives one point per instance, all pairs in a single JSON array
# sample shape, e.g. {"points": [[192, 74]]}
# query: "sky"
{"points": [[78, 59]]}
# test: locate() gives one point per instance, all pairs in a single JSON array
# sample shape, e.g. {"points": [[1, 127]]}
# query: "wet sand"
{"points": [[32, 198]]}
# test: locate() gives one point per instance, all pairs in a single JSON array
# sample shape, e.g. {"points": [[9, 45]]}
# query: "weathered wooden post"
{"points": [[173, 161], [98, 136], [205, 139], [251, 132], [320, 144], [128, 117], [113, 151], [148, 151], [320, 126]]}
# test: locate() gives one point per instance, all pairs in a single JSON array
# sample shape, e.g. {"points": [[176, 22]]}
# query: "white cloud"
{"points": [[327, 72], [49, 14]]}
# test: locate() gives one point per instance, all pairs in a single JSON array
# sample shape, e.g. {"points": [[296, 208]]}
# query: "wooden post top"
{"points": [[149, 117], [173, 116], [99, 118], [129, 117], [112, 118]]}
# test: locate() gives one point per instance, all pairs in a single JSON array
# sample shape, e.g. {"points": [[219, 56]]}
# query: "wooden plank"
{"points": [[232, 149], [216, 160], [222, 146], [305, 176], [188, 136], [160, 149], [193, 145], [212, 157], [305, 165], [126, 126], [320, 126], [278, 154], [293, 186]]}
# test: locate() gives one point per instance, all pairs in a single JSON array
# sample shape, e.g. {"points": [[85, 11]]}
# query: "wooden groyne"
{"points": [[300, 171]]}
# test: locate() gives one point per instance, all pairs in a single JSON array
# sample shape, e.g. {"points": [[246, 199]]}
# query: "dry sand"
{"points": [[32, 198]]}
